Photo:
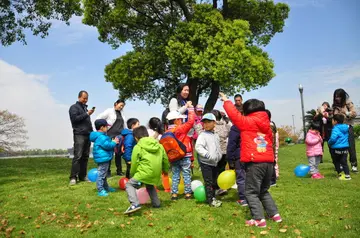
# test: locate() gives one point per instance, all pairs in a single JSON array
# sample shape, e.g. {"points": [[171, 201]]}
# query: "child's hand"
{"points": [[116, 140], [189, 104], [222, 97]]}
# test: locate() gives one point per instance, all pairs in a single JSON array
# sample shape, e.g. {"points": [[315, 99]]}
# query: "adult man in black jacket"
{"points": [[81, 124]]}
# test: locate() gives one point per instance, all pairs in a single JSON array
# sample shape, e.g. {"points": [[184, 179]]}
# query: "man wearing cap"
{"points": [[81, 124]]}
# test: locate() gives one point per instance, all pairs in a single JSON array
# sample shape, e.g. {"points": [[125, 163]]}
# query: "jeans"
{"points": [[183, 166], [81, 157], [210, 174], [314, 162], [101, 182], [339, 158], [131, 187], [352, 147], [257, 183], [240, 179]]}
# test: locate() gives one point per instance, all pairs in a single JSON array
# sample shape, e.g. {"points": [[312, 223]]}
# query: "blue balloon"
{"points": [[92, 175], [302, 170]]}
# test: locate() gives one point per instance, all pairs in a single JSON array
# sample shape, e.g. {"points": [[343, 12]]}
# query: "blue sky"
{"points": [[319, 48]]}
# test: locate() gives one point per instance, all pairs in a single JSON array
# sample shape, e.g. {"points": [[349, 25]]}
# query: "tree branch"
{"points": [[184, 8]]}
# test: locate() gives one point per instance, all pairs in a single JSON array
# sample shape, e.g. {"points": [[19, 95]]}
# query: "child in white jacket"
{"points": [[209, 151]]}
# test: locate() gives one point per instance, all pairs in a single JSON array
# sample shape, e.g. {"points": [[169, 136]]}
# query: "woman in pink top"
{"points": [[314, 150]]}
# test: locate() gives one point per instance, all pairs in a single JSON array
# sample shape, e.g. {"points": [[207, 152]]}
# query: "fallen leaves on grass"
{"points": [[151, 224], [111, 209], [37, 226], [252, 232], [128, 223], [264, 233], [297, 232], [168, 228], [88, 205], [122, 225], [283, 230], [211, 218], [347, 227], [9, 230], [22, 232]]}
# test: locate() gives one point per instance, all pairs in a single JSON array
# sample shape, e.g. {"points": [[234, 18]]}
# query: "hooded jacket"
{"points": [[208, 148], [148, 161], [313, 143], [256, 134], [103, 148], [339, 138], [129, 143], [80, 119]]}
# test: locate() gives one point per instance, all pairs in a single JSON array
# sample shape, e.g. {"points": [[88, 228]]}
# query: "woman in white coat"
{"points": [[117, 122]]}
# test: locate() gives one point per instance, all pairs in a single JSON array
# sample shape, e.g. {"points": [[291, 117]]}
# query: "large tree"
{"points": [[212, 47], [17, 16], [12, 131]]}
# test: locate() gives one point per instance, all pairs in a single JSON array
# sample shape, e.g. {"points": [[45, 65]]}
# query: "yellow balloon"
{"points": [[226, 179]]}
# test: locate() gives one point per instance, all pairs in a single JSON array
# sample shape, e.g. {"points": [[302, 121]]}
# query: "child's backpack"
{"points": [[174, 148], [120, 148]]}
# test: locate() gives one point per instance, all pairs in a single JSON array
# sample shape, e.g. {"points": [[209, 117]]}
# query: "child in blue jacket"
{"points": [[129, 142], [339, 144], [103, 150]]}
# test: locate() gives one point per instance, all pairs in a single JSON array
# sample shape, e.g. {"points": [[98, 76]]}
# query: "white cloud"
{"points": [[28, 95]]}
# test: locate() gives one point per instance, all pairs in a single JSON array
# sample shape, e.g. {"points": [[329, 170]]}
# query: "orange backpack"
{"points": [[174, 148]]}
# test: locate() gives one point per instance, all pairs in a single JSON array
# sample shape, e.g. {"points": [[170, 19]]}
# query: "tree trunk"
{"points": [[225, 8], [215, 4], [213, 97], [193, 85], [182, 4]]}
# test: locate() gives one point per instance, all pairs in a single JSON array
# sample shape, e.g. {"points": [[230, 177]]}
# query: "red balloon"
{"points": [[122, 183]]}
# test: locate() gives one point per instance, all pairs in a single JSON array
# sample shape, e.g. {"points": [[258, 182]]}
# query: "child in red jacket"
{"points": [[258, 155], [181, 131]]}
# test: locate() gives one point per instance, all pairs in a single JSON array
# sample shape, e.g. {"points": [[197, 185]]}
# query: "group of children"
{"points": [[216, 142], [338, 144]]}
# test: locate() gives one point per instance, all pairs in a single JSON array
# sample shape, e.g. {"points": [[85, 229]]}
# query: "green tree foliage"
{"points": [[17, 16], [208, 47]]}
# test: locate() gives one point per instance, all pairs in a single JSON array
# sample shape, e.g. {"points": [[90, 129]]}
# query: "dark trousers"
{"points": [[257, 183], [128, 167], [81, 157], [352, 148], [339, 157], [240, 179], [220, 168], [273, 177], [210, 174], [118, 164]]}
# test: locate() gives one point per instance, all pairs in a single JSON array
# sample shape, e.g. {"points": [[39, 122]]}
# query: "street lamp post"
{"points": [[301, 90], [293, 117]]}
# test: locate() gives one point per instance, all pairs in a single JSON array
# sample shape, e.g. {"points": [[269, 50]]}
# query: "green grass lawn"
{"points": [[36, 201]]}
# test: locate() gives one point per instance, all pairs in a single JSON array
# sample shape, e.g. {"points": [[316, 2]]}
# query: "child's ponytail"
{"points": [[155, 124]]}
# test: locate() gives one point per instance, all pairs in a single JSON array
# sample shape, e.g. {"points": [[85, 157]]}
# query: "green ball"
{"points": [[200, 194]]}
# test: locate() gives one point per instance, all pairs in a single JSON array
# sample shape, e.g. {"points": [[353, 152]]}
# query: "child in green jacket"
{"points": [[148, 161]]}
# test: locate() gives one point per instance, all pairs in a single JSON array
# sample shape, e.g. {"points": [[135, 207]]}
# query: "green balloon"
{"points": [[200, 194]]}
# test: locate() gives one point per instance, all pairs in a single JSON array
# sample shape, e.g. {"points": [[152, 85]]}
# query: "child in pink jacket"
{"points": [[314, 149]]}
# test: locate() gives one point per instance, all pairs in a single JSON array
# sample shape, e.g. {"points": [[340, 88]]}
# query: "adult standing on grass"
{"points": [[81, 124], [116, 119], [343, 105]]}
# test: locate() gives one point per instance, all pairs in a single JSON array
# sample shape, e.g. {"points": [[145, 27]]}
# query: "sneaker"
{"points": [[354, 169], [347, 177], [103, 193], [85, 180], [273, 184], [259, 223], [344, 177], [215, 203], [111, 190], [72, 182], [132, 208], [276, 218], [317, 176], [220, 192], [174, 197], [242, 203], [188, 196]]}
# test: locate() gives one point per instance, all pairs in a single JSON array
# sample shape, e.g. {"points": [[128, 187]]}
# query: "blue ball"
{"points": [[301, 170], [92, 175]]}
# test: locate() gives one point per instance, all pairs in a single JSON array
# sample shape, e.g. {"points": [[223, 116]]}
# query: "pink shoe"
{"points": [[276, 218], [316, 176], [259, 223]]}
